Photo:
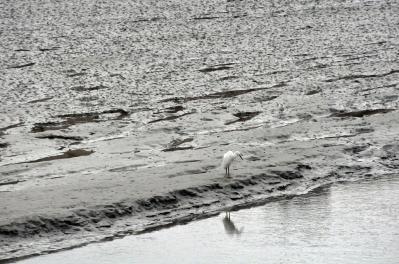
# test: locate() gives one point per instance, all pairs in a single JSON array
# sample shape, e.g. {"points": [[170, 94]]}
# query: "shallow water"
{"points": [[344, 223]]}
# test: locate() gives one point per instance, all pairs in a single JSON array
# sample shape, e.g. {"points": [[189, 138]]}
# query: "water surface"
{"points": [[343, 223]]}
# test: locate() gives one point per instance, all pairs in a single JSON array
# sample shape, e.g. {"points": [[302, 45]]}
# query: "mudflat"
{"points": [[114, 116]]}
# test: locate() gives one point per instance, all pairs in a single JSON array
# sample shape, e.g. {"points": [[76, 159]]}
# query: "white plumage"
{"points": [[228, 158]]}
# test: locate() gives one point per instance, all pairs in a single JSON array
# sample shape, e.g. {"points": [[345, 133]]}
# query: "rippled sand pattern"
{"points": [[114, 115]]}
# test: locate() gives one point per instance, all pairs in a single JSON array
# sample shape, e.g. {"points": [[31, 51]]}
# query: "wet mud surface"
{"points": [[114, 116]]}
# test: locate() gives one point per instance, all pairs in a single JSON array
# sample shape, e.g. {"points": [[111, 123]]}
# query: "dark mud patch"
{"points": [[301, 55], [362, 76], [178, 148], [232, 77], [169, 118], [391, 148], [391, 98], [173, 109], [11, 126], [304, 116], [288, 175], [96, 115], [219, 67], [303, 167], [362, 113], [40, 100], [85, 89], [74, 119], [271, 73], [41, 127], [336, 137], [74, 138], [117, 75], [186, 161], [10, 182], [4, 145], [283, 137], [205, 17], [22, 65], [88, 98], [243, 116], [127, 168], [174, 145], [152, 19], [356, 149], [66, 155], [49, 49], [312, 92], [187, 192], [265, 98], [391, 155], [381, 87], [4, 129], [364, 130], [350, 169], [224, 94], [73, 73]]}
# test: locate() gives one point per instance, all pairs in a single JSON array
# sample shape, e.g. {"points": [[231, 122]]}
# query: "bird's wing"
{"points": [[227, 159]]}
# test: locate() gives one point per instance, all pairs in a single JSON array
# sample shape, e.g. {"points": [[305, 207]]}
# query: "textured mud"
{"points": [[114, 116]]}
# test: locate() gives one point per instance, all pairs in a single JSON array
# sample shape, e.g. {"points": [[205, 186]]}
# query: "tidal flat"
{"points": [[115, 115]]}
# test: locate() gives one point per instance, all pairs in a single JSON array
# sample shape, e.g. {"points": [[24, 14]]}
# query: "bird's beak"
{"points": [[241, 157]]}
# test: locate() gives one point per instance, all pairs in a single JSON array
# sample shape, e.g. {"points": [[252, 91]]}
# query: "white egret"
{"points": [[230, 227], [228, 158]]}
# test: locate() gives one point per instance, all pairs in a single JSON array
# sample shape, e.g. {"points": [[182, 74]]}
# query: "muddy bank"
{"points": [[328, 220], [108, 222], [108, 128]]}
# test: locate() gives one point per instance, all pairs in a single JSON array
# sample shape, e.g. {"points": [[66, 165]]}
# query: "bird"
{"points": [[230, 227], [228, 158]]}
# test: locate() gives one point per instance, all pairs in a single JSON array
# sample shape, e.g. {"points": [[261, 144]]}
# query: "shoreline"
{"points": [[177, 217], [319, 225]]}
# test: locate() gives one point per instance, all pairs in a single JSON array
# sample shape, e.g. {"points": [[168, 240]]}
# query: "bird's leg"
{"points": [[228, 171], [225, 175]]}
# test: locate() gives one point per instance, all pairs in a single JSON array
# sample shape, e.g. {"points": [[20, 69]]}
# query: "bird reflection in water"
{"points": [[230, 227]]}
